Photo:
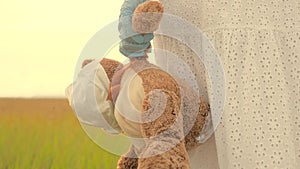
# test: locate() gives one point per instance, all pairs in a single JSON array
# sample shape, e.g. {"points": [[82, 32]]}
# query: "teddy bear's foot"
{"points": [[127, 163], [175, 158], [129, 160], [164, 152], [147, 17]]}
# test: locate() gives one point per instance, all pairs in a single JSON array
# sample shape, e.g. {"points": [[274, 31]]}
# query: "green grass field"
{"points": [[51, 139]]}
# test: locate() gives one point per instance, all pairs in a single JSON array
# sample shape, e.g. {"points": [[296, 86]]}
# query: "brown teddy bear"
{"points": [[170, 123], [160, 113], [170, 134], [173, 132]]}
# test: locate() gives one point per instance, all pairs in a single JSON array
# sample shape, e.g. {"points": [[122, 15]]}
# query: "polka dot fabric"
{"points": [[258, 42]]}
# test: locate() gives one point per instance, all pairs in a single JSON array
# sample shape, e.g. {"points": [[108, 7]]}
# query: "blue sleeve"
{"points": [[132, 43]]}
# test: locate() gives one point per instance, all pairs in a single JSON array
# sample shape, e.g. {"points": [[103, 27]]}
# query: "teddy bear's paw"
{"points": [[191, 139], [127, 163], [110, 66], [175, 158], [147, 16]]}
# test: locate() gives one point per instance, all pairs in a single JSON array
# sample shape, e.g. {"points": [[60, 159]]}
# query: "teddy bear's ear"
{"points": [[110, 66], [147, 16]]}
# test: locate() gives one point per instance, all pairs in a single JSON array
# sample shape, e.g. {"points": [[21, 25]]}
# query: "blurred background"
{"points": [[40, 42]]}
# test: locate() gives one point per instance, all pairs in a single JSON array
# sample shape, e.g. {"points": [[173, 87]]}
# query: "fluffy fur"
{"points": [[172, 134], [147, 16]]}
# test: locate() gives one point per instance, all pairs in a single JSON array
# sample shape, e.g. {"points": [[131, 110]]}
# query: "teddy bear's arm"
{"points": [[192, 135], [163, 131]]}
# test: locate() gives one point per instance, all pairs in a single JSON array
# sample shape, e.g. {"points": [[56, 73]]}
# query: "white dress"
{"points": [[258, 42]]}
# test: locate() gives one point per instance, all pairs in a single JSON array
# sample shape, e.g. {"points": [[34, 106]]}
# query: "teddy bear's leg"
{"points": [[175, 158], [129, 160], [164, 138]]}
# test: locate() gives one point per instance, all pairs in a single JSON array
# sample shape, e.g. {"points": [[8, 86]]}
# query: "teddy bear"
{"points": [[160, 113], [170, 134], [172, 115]]}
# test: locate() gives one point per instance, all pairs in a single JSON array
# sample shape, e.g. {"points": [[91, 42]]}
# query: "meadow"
{"points": [[45, 134]]}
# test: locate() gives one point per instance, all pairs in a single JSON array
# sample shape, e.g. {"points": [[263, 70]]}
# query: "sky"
{"points": [[40, 42]]}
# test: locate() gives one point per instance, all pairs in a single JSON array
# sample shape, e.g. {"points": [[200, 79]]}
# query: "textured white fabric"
{"points": [[87, 96], [258, 42]]}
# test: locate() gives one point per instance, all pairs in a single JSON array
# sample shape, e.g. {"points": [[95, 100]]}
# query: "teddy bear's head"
{"points": [[88, 94]]}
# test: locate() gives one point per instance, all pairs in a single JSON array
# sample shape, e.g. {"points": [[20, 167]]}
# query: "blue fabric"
{"points": [[132, 43]]}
